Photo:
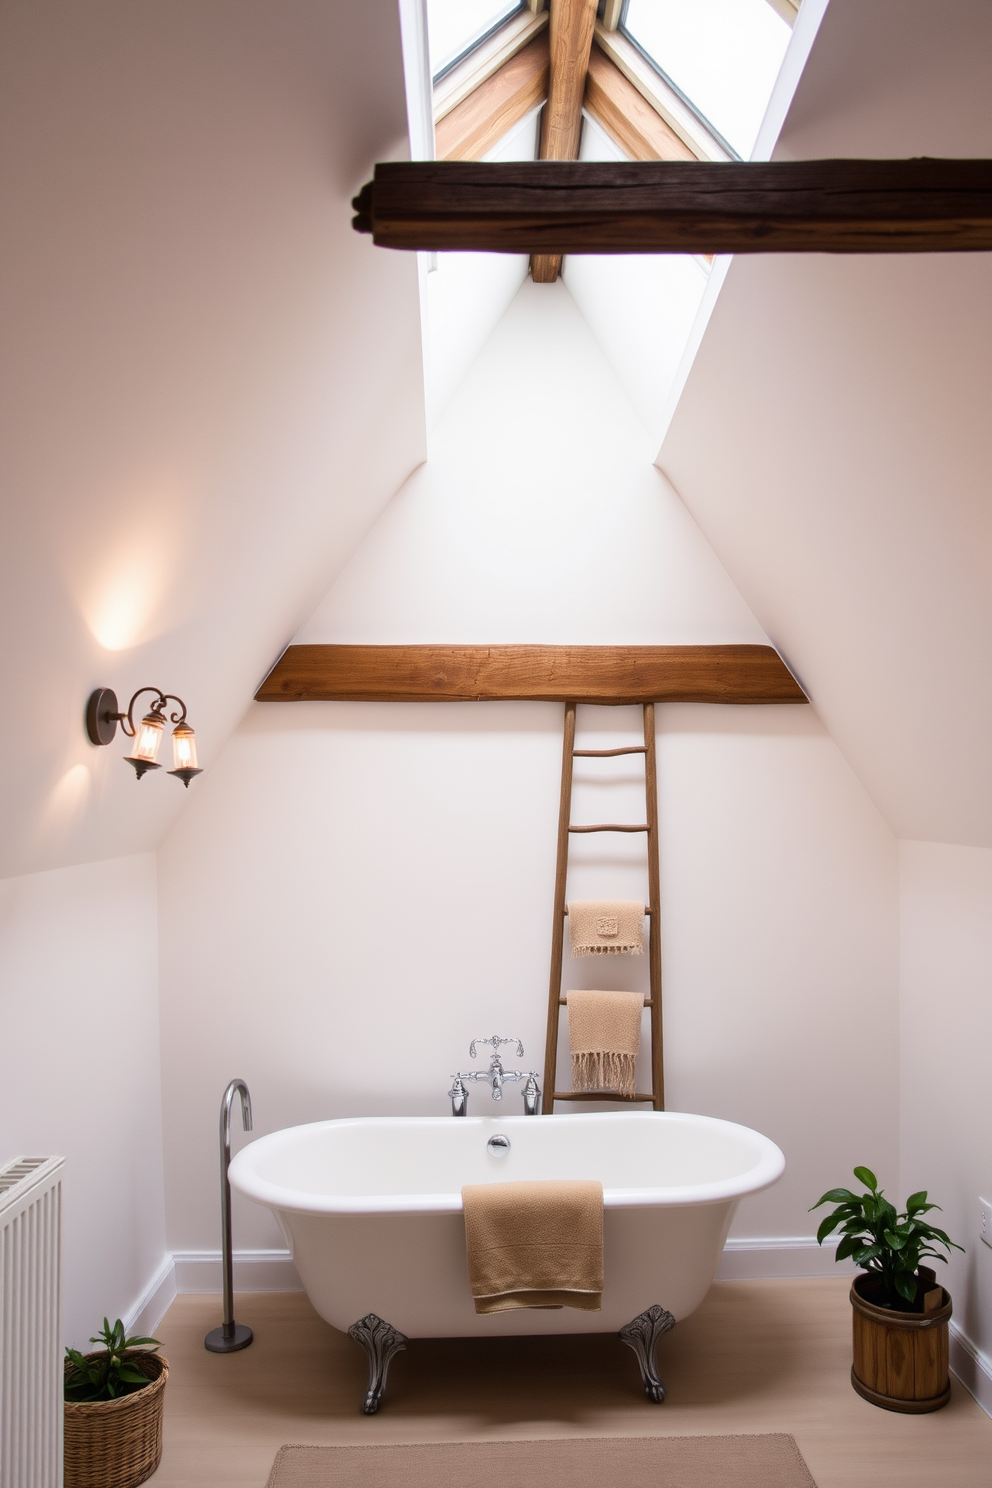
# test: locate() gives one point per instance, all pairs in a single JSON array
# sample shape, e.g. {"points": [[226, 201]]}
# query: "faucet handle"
{"points": [[496, 1042], [532, 1095]]}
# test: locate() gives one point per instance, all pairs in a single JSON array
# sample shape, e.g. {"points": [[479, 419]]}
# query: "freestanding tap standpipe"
{"points": [[232, 1336]]}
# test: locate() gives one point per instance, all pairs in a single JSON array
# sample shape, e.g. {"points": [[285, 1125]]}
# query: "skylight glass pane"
{"points": [[454, 27], [724, 55]]}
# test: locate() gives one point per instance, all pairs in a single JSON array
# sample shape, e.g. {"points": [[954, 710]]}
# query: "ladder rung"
{"points": [[611, 827], [563, 1002], [607, 753], [597, 1095], [647, 909]]}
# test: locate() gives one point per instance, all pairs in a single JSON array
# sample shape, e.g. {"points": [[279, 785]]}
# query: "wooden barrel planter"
{"points": [[900, 1358], [117, 1443]]}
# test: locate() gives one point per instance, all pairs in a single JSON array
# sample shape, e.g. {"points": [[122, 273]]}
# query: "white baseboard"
{"points": [[151, 1307], [770, 1257], [254, 1271], [745, 1258], [972, 1367]]}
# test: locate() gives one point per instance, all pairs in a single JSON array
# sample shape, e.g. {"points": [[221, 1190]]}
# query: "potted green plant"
{"points": [[113, 1411], [900, 1310]]}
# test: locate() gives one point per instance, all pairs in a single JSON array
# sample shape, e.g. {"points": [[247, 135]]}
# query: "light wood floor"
{"points": [[757, 1356]]}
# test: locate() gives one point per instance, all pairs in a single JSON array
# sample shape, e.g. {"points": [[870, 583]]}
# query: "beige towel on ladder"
{"points": [[606, 927], [604, 1033], [534, 1244]]}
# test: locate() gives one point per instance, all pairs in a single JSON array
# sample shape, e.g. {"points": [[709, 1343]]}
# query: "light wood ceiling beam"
{"points": [[584, 674], [662, 98], [486, 59], [475, 125], [805, 206], [640, 131], [570, 34]]}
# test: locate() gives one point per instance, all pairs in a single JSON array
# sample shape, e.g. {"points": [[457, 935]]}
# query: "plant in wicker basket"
{"points": [[113, 1411]]}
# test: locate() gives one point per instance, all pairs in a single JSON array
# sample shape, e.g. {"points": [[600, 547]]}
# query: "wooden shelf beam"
{"points": [[681, 206], [585, 674]]}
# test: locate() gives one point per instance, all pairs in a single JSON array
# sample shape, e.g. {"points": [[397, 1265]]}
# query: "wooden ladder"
{"points": [[653, 909]]}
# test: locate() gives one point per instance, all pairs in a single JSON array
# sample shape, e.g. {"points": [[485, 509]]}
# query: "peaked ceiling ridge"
{"points": [[536, 520]]}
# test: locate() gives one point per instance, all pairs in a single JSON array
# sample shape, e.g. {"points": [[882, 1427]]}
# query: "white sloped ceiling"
{"points": [[832, 436], [210, 384]]}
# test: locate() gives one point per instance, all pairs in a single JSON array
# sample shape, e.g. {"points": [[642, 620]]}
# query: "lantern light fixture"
{"points": [[102, 718]]}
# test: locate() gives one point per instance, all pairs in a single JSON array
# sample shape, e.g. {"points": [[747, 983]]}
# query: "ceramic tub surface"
{"points": [[371, 1209]]}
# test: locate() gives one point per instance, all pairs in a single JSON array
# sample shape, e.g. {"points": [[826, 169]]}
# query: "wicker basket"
{"points": [[117, 1443]]}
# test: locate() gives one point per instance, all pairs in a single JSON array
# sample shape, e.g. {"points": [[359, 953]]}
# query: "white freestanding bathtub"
{"points": [[371, 1208]]}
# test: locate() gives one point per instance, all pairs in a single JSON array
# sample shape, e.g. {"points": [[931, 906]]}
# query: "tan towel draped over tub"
{"points": [[604, 1034], [606, 927], [534, 1244]]}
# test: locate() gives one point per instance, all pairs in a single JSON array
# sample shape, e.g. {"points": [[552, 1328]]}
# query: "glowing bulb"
{"points": [[184, 753], [183, 747], [147, 738]]}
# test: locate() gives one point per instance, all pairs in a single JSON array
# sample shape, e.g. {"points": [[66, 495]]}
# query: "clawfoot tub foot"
{"points": [[641, 1335], [380, 1343]]}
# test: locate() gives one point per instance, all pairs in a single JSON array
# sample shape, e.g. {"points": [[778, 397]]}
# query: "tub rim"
{"points": [[767, 1169]]}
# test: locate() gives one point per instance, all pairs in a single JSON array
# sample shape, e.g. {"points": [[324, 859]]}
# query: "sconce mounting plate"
{"points": [[102, 713]]}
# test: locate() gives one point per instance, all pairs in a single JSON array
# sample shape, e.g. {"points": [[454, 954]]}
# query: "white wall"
{"points": [[358, 890], [362, 888], [946, 1036], [830, 438], [80, 1039], [539, 516], [639, 306], [467, 294], [209, 384], [781, 936]]}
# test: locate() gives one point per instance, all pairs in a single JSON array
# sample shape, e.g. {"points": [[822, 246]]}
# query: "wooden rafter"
{"points": [[662, 97], [809, 206], [570, 34], [485, 59], [475, 125], [640, 131], [585, 674]]}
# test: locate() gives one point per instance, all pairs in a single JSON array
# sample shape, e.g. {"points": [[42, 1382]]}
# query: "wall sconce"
{"points": [[102, 719]]}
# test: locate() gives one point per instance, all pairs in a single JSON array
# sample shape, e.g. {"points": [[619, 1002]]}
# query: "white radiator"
{"points": [[31, 1323]]}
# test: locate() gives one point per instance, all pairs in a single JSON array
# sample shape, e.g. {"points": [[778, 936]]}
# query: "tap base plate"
{"points": [[228, 1340]]}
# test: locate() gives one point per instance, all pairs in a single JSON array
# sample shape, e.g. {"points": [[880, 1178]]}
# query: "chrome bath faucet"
{"points": [[496, 1077]]}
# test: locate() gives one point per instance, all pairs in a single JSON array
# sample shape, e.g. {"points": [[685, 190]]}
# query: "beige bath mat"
{"points": [[575, 1462]]}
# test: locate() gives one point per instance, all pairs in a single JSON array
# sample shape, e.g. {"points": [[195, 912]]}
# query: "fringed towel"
{"points": [[604, 1033], [534, 1244], [606, 927]]}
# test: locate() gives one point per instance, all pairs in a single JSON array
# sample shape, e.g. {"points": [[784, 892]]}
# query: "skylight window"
{"points": [[456, 26], [723, 56]]}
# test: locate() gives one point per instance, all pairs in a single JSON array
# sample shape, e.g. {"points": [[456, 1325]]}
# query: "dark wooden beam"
{"points": [[570, 31], [476, 124], [807, 206], [584, 674]]}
